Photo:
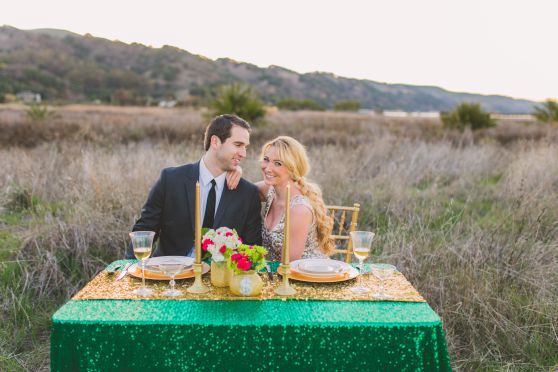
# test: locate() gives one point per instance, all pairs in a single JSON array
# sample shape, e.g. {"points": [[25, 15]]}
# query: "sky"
{"points": [[505, 47]]}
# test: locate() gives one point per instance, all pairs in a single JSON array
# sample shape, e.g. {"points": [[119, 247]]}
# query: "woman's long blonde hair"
{"points": [[293, 155]]}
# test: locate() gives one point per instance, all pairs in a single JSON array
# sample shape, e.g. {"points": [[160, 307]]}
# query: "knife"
{"points": [[124, 271], [269, 273]]}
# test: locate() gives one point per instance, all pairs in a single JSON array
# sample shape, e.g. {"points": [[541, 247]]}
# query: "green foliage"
{"points": [[21, 199], [240, 100], [467, 115], [347, 105], [38, 113], [294, 104], [548, 113], [253, 254]]}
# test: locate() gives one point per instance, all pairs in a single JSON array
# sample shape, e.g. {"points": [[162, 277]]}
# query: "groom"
{"points": [[169, 209]]}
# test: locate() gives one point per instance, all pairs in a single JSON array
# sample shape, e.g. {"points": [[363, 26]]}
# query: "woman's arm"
{"points": [[233, 177], [301, 219]]}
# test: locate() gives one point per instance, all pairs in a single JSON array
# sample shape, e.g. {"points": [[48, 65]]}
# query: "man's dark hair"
{"points": [[221, 126]]}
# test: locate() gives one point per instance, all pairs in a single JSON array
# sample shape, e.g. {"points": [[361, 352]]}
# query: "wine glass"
{"points": [[171, 268], [362, 240], [142, 242], [383, 273]]}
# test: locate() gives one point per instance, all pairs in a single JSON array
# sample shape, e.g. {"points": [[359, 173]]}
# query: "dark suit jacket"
{"points": [[169, 211]]}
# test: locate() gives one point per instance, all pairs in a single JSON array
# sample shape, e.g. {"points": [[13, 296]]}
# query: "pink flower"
{"points": [[236, 257], [222, 249], [240, 239], [228, 234]]}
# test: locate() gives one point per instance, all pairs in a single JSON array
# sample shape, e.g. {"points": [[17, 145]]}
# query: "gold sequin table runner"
{"points": [[397, 287]]}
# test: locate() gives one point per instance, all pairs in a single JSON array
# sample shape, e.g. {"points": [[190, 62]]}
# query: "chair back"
{"points": [[345, 220]]}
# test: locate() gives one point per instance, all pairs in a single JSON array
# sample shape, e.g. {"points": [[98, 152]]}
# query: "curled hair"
{"points": [[293, 155]]}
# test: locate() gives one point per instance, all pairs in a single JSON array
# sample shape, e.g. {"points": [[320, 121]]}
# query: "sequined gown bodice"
{"points": [[273, 238]]}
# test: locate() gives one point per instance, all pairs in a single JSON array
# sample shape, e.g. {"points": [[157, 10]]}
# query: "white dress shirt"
{"points": [[205, 185]]}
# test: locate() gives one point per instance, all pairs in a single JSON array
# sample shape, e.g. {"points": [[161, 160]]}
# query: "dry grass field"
{"points": [[470, 218]]}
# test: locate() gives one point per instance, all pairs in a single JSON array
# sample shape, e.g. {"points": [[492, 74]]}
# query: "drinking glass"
{"points": [[171, 268], [362, 241], [142, 242], [383, 273]]}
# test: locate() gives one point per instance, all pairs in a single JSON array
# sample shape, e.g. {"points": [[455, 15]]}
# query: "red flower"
{"points": [[240, 239], [222, 249], [236, 257], [228, 234], [206, 243], [244, 264]]}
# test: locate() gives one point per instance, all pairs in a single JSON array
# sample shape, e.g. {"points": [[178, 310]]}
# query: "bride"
{"points": [[284, 162]]}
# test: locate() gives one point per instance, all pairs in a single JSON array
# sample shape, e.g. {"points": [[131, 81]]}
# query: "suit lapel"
{"points": [[226, 198], [191, 178]]}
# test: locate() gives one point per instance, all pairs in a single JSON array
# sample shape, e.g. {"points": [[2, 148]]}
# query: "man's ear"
{"points": [[215, 141]]}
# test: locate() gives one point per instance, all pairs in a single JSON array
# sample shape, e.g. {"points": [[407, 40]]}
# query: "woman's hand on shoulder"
{"points": [[233, 177]]}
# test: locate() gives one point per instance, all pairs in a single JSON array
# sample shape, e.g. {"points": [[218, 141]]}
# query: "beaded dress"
{"points": [[273, 238]]}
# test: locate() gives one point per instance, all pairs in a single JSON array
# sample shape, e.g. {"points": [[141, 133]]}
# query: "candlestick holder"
{"points": [[198, 286], [285, 289]]}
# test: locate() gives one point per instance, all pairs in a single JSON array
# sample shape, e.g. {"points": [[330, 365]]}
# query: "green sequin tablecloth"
{"points": [[159, 335]]}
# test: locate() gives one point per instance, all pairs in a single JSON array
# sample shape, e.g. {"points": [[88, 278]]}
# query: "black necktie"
{"points": [[210, 207]]}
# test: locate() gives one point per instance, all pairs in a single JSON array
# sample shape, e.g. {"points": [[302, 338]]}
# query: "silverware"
{"points": [[124, 271], [269, 273]]}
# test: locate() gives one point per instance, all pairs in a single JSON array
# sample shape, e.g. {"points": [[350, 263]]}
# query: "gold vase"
{"points": [[220, 274], [247, 283]]}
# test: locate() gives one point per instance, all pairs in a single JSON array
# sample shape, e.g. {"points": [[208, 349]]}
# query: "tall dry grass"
{"points": [[470, 219]]}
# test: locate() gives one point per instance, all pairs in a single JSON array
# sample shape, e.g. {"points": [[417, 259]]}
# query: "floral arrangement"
{"points": [[246, 258], [220, 244]]}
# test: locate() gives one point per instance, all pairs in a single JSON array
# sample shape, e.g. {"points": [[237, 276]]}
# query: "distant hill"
{"points": [[67, 67]]}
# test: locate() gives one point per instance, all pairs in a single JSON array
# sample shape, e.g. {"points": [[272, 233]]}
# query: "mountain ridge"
{"points": [[65, 66]]}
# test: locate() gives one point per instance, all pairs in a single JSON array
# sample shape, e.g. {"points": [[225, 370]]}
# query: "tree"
{"points": [[467, 115], [347, 106], [240, 100], [548, 113]]}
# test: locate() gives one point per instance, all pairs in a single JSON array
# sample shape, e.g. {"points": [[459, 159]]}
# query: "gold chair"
{"points": [[342, 228]]}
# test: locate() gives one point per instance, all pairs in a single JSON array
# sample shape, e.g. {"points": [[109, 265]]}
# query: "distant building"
{"points": [[168, 104], [29, 97]]}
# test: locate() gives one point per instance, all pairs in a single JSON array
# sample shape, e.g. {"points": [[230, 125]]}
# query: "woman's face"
{"points": [[273, 170]]}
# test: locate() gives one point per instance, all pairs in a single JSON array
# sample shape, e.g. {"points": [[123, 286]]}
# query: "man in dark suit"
{"points": [[169, 209]]}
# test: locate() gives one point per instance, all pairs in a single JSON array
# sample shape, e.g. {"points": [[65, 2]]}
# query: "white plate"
{"points": [[152, 264], [320, 267]]}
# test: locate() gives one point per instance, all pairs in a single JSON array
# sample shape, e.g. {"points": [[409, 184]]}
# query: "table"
{"points": [[156, 335]]}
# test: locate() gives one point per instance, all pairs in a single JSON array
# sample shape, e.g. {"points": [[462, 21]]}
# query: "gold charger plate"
{"points": [[135, 271], [295, 275]]}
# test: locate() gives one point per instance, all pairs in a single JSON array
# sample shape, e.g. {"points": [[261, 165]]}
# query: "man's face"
{"points": [[233, 150]]}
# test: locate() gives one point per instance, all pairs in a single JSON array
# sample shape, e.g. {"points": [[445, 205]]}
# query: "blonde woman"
{"points": [[284, 161]]}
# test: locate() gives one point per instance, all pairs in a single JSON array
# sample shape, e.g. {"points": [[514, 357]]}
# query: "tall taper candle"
{"points": [[287, 225], [197, 226]]}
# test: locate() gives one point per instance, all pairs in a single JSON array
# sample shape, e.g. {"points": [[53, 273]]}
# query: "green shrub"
{"points": [[548, 113], [467, 115], [238, 99], [293, 104], [38, 113], [347, 106]]}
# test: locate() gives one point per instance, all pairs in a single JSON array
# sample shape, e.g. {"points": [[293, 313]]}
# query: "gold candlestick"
{"points": [[198, 286], [285, 288]]}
